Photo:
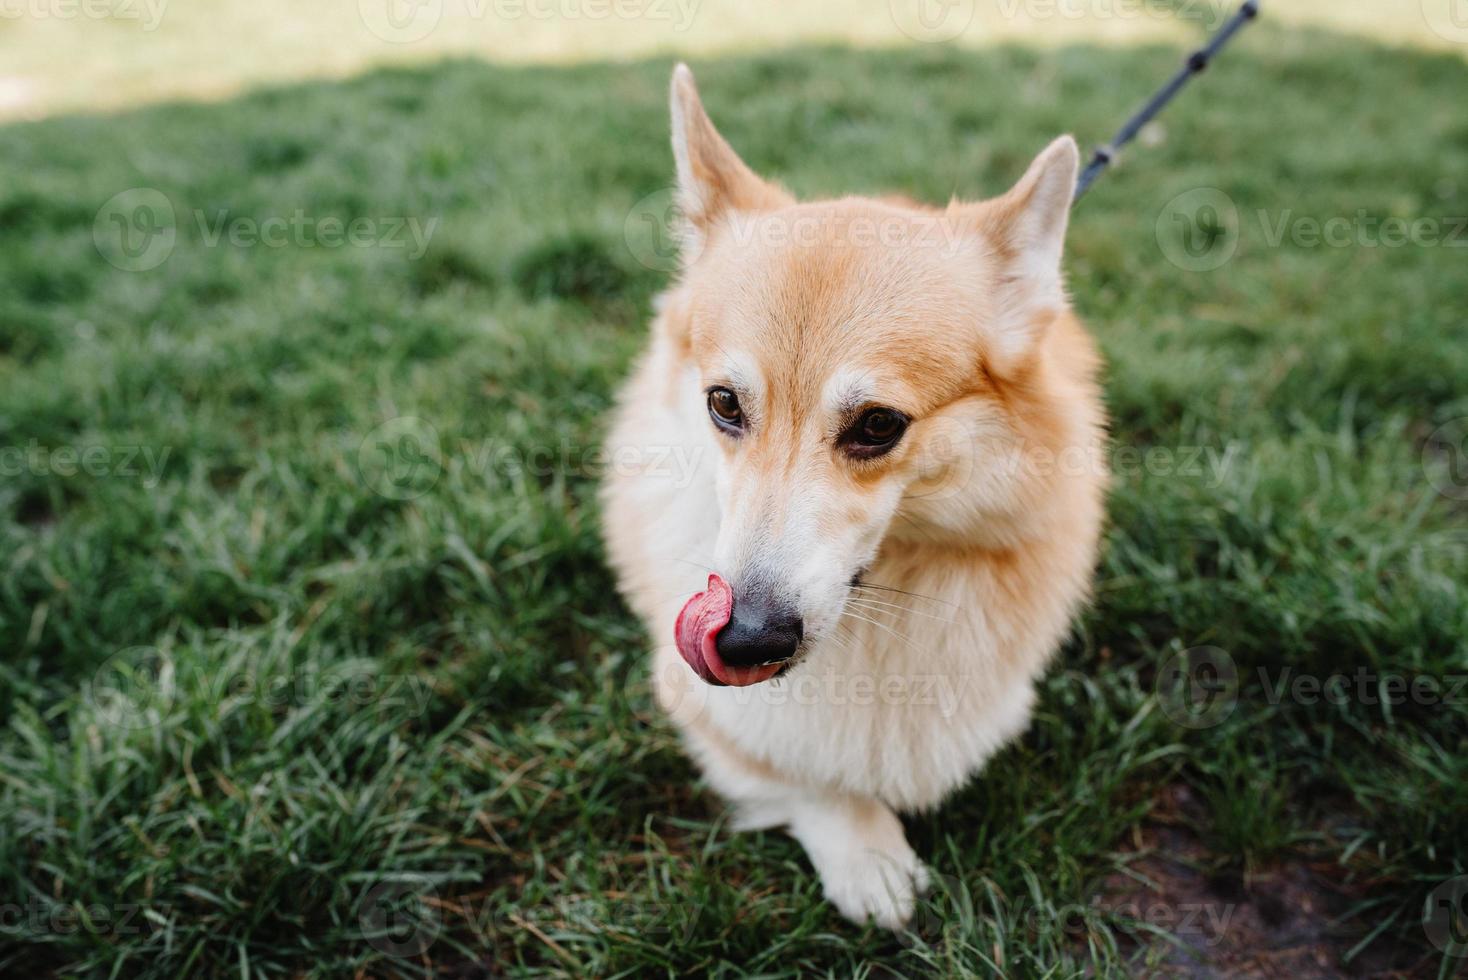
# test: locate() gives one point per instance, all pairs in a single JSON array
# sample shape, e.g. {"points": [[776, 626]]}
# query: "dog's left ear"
{"points": [[1026, 227], [712, 181]]}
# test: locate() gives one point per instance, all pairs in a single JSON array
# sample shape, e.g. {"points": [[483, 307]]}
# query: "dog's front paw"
{"points": [[878, 886]]}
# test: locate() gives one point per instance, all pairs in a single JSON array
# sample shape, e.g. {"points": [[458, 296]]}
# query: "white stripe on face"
{"points": [[847, 388], [780, 535], [741, 372]]}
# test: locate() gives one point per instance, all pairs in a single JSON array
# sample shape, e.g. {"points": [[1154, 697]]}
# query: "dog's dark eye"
{"points": [[725, 410], [875, 432]]}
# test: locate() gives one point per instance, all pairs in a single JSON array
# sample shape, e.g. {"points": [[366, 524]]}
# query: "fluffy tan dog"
{"points": [[857, 496]]}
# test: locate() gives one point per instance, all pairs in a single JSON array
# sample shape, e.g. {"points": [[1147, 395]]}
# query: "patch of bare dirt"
{"points": [[1293, 919]]}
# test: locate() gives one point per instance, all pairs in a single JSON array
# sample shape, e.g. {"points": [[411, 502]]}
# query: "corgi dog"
{"points": [[892, 502]]}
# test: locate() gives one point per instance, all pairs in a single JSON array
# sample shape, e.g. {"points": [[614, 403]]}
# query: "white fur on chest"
{"points": [[907, 735]]}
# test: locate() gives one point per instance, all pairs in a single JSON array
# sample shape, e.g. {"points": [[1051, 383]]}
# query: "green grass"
{"points": [[247, 698]]}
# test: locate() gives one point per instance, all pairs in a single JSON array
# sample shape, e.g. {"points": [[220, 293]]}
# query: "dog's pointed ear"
{"points": [[1026, 227], [712, 181]]}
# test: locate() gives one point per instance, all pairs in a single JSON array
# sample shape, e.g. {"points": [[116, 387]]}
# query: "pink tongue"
{"points": [[696, 629]]}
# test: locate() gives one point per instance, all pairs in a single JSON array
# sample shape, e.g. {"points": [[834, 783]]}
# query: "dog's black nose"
{"points": [[759, 633]]}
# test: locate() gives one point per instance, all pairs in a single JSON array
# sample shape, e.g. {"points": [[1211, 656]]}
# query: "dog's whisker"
{"points": [[908, 518], [915, 595], [879, 625], [841, 641], [894, 608], [696, 564], [886, 601]]}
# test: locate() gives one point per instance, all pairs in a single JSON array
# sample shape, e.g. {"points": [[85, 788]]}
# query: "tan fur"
{"points": [[956, 317]]}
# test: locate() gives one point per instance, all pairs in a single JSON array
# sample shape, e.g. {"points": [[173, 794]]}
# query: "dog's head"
{"points": [[867, 369]]}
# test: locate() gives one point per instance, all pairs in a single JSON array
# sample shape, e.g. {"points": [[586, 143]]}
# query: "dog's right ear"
{"points": [[1027, 228], [712, 181]]}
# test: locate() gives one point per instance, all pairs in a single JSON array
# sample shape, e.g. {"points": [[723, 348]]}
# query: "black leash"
{"points": [[1197, 61]]}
